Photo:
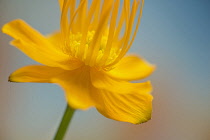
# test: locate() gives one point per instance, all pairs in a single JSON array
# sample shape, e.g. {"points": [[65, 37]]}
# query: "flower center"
{"points": [[80, 51]]}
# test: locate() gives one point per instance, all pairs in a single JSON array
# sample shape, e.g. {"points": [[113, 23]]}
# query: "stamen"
{"points": [[81, 16], [111, 33], [94, 47], [137, 25], [87, 24], [129, 30]]}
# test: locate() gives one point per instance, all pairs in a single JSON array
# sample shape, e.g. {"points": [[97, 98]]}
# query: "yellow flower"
{"points": [[87, 58]]}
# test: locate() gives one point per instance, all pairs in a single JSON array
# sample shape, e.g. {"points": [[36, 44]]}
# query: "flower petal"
{"points": [[76, 84], [35, 73], [36, 46], [132, 68], [103, 81], [121, 100], [55, 39], [134, 107]]}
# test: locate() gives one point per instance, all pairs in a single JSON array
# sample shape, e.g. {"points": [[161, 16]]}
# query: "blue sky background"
{"points": [[174, 35]]}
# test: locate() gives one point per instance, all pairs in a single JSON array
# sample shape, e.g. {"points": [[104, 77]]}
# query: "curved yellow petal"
{"points": [[55, 39], [103, 81], [76, 84], [121, 100], [35, 73], [36, 46], [131, 68], [134, 107]]}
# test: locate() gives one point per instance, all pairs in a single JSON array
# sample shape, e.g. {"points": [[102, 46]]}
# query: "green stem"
{"points": [[64, 123]]}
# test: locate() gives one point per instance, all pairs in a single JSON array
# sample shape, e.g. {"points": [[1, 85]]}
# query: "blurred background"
{"points": [[174, 35]]}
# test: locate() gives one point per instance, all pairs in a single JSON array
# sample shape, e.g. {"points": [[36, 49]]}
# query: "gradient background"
{"points": [[174, 35]]}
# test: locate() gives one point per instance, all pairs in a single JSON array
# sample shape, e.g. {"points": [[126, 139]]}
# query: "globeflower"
{"points": [[87, 58]]}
